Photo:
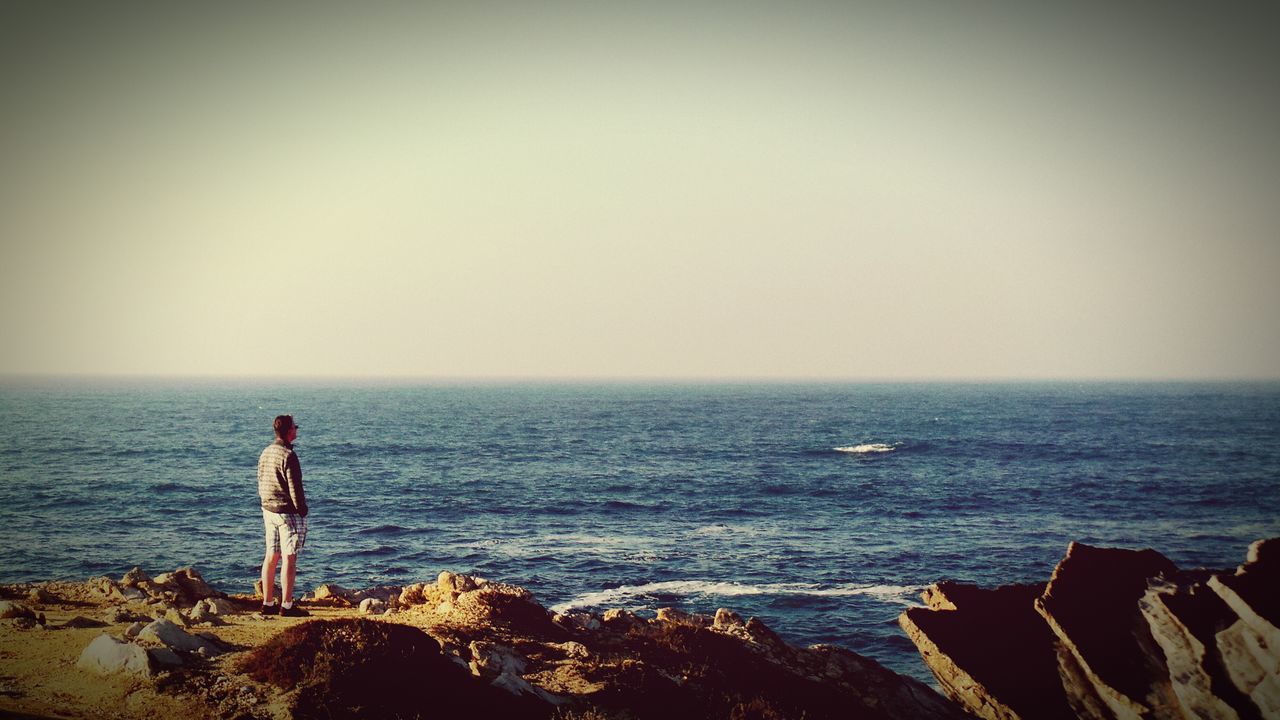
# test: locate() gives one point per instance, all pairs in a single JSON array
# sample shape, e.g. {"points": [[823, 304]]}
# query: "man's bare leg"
{"points": [[269, 578], [286, 577]]}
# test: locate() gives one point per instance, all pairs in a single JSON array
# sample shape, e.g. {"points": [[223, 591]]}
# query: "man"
{"points": [[284, 515]]}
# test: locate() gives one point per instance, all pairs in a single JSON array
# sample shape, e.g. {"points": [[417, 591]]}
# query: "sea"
{"points": [[823, 509]]}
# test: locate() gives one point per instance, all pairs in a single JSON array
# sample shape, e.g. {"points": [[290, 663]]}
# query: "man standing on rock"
{"points": [[284, 514]]}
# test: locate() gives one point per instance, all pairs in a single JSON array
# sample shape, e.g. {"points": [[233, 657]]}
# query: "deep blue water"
{"points": [[645, 495]]}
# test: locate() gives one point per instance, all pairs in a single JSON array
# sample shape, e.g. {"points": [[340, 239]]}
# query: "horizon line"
{"points": [[622, 379]]}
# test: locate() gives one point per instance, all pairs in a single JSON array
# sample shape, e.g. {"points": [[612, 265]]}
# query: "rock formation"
{"points": [[1114, 635], [460, 645]]}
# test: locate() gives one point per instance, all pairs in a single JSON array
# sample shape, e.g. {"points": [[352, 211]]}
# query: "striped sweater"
{"points": [[280, 480]]}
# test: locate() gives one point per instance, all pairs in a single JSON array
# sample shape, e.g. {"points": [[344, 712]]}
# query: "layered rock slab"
{"points": [[990, 650], [1091, 605], [1133, 637]]}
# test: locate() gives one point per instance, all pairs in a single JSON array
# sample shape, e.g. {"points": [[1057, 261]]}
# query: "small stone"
{"points": [[372, 606], [40, 596], [133, 630]]}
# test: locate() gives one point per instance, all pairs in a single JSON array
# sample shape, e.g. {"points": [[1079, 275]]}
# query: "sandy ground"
{"points": [[39, 676]]}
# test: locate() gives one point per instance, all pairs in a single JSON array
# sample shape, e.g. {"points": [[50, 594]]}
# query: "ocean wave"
{"points": [[868, 448], [380, 551], [383, 530], [673, 589]]}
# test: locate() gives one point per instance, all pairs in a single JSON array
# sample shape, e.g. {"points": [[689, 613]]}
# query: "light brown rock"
{"points": [[108, 656]]}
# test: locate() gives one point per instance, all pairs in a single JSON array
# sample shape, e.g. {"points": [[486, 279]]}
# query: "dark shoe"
{"points": [[270, 609], [294, 611]]}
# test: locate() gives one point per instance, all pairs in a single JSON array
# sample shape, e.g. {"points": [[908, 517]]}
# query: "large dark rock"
{"points": [[990, 650], [1091, 605], [1133, 637]]}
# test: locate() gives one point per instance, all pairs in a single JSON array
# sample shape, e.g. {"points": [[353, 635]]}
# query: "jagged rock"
{"points": [[763, 638], [1252, 666], [990, 650], [134, 577], [450, 583], [1185, 620], [383, 593], [24, 623], [210, 610], [1251, 591], [377, 669], [1091, 605], [372, 606], [1134, 638], [577, 620], [445, 581], [726, 618], [413, 595], [175, 617], [190, 586], [117, 615], [103, 586], [1250, 647], [489, 660], [164, 656], [675, 615], [10, 609], [503, 606], [618, 619], [328, 591], [133, 630], [40, 596], [164, 632], [257, 589], [107, 656], [572, 650], [81, 621]]}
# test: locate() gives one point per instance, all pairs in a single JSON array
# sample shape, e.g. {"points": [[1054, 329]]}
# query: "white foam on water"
{"points": [[868, 448], [628, 595]]}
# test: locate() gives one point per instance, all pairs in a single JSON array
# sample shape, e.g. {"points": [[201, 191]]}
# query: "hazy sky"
{"points": [[798, 190]]}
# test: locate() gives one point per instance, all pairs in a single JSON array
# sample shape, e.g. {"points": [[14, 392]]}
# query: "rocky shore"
{"points": [[141, 646], [1113, 634]]}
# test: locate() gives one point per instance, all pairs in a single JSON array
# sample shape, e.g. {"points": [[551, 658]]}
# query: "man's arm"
{"points": [[293, 484]]}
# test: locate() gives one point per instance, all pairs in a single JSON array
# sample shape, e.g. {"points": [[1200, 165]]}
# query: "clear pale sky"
{"points": [[694, 190]]}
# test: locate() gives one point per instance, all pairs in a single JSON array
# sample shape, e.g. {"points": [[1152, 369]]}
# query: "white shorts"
{"points": [[285, 534]]}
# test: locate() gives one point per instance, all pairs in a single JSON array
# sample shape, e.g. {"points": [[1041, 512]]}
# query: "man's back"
{"points": [[280, 480]]}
